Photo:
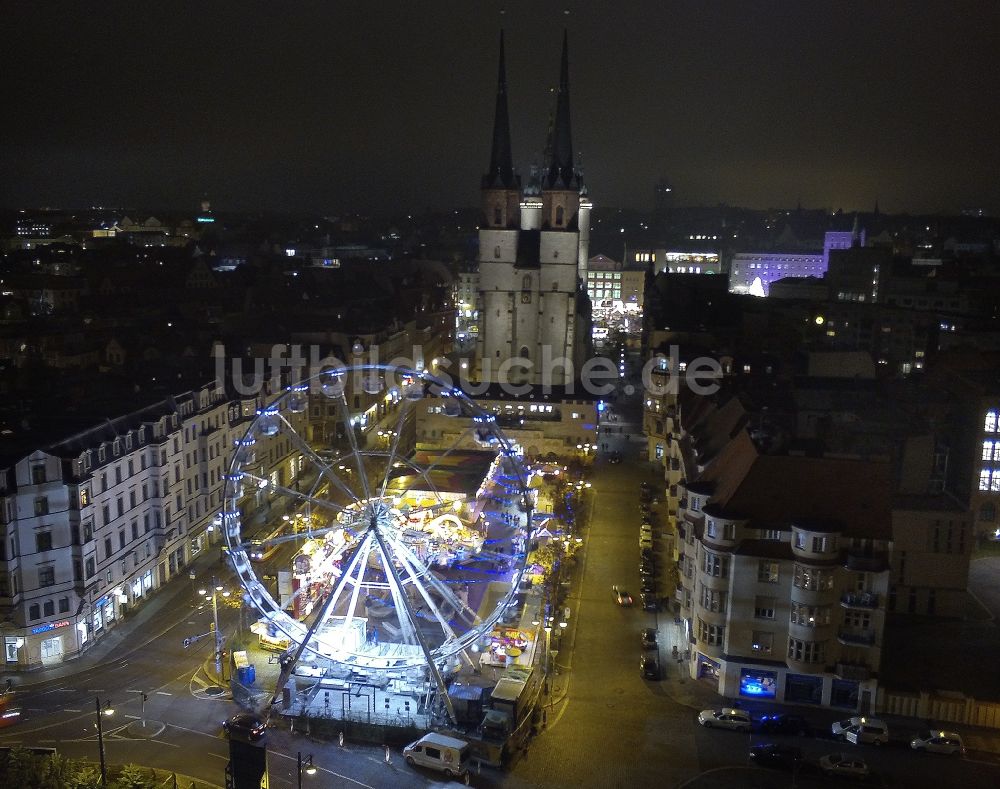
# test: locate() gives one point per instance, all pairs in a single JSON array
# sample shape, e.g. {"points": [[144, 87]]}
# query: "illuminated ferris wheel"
{"points": [[405, 556]]}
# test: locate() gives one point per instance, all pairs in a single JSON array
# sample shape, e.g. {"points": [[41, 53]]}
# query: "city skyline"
{"points": [[390, 108]]}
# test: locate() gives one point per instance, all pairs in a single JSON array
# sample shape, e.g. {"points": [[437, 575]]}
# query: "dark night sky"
{"points": [[388, 106]]}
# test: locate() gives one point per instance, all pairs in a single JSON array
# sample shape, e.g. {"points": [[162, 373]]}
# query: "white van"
{"points": [[439, 752], [867, 731]]}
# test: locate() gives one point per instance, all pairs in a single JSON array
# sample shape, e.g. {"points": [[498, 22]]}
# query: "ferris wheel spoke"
{"points": [[295, 494], [405, 615], [445, 625], [353, 439], [345, 577], [456, 445], [406, 404], [365, 550], [308, 535], [438, 585], [325, 471]]}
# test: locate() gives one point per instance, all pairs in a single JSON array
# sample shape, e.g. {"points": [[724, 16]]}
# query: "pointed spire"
{"points": [[561, 172], [501, 172]]}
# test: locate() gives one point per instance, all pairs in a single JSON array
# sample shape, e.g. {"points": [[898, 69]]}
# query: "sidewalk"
{"points": [[128, 635]]}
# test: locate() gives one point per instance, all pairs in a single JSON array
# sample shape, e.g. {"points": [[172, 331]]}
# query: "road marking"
{"points": [[56, 690], [163, 693], [95, 690], [132, 717], [67, 709]]}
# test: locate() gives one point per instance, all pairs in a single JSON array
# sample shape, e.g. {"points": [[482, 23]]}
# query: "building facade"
{"points": [[533, 253], [95, 524]]}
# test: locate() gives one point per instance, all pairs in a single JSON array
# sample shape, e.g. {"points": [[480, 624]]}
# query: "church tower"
{"points": [[533, 249]]}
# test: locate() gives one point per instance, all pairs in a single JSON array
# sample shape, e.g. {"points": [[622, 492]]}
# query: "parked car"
{"points": [[771, 755], [844, 765], [646, 553], [648, 636], [650, 602], [622, 597], [647, 567], [649, 667], [946, 742], [725, 718], [439, 752], [870, 731], [645, 542], [615, 457], [245, 726], [646, 529], [783, 723], [648, 585]]}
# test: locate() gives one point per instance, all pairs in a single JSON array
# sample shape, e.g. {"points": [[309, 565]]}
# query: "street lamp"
{"points": [[214, 597], [308, 768], [106, 710]]}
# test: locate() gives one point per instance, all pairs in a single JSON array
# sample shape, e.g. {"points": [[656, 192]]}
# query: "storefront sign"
{"points": [[49, 626]]}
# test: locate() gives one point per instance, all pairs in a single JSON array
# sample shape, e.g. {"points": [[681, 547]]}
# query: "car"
{"points": [[649, 667], [946, 742], [844, 765], [645, 542], [869, 731], [648, 585], [623, 598], [783, 723], [647, 567], [725, 718], [646, 553], [646, 528], [771, 755], [244, 727], [648, 636], [649, 602], [615, 457]]}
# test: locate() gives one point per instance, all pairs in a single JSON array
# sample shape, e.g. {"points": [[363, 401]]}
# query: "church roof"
{"points": [[500, 174], [560, 170]]}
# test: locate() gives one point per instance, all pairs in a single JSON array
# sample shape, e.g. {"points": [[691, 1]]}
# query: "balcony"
{"points": [[859, 600], [867, 563], [864, 638], [859, 672]]}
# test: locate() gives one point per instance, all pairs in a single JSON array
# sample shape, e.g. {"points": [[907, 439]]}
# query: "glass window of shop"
{"points": [[844, 693], [147, 580], [52, 647], [196, 544], [804, 689], [109, 612], [136, 588], [98, 619], [10, 644]]}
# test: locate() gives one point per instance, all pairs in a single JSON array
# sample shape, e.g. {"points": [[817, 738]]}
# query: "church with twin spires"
{"points": [[534, 312]]}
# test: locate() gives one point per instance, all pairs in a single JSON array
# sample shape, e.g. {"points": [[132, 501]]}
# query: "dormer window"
{"points": [[560, 213], [497, 215]]}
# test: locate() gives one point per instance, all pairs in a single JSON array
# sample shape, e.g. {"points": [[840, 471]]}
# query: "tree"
{"points": [[133, 777]]}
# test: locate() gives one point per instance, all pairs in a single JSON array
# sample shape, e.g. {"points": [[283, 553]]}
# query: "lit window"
{"points": [[991, 422]]}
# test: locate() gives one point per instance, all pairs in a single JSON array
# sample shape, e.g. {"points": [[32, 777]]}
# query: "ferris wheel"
{"points": [[405, 556]]}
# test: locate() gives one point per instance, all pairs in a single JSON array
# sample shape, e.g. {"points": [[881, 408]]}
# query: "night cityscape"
{"points": [[437, 394]]}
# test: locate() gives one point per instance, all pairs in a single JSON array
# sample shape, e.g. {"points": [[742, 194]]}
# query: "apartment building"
{"points": [[783, 569], [96, 523], [789, 565]]}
